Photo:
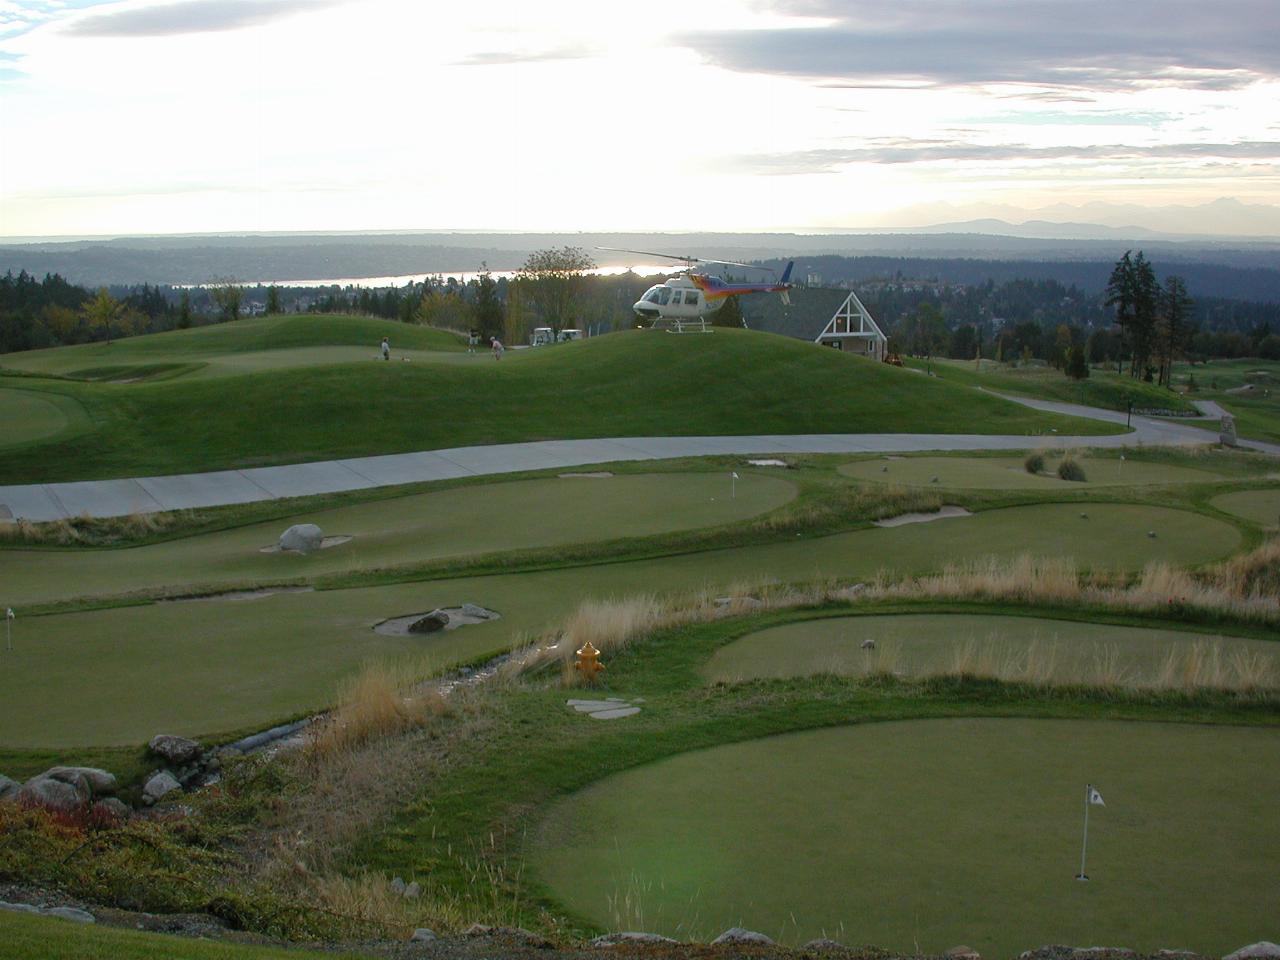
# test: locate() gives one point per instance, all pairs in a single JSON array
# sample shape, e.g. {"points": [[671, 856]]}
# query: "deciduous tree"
{"points": [[551, 283]]}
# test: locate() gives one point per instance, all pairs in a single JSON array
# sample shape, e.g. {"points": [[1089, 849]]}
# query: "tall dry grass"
{"points": [[375, 705], [85, 530]]}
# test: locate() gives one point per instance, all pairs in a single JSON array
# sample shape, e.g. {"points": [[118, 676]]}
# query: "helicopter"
{"points": [[692, 296]]}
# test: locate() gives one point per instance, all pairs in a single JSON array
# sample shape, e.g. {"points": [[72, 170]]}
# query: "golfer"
{"points": [[498, 348], [473, 338], [386, 349]]}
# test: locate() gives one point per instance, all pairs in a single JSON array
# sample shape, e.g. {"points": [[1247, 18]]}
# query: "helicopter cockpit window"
{"points": [[651, 295], [664, 296]]}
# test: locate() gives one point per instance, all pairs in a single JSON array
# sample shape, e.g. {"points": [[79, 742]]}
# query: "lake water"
{"points": [[644, 269]]}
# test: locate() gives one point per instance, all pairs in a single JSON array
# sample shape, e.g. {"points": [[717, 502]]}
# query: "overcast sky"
{"points": [[231, 115]]}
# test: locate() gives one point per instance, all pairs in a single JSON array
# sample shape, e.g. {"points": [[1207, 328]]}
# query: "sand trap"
{"points": [[325, 544], [399, 626], [600, 475], [238, 595], [768, 463], [942, 514]]}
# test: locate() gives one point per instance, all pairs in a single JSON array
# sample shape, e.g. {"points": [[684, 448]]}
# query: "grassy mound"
{"points": [[1260, 506], [1015, 648], [920, 835], [627, 384]]}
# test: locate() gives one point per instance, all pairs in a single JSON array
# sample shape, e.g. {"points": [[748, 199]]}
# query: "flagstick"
{"points": [[1084, 848], [733, 487]]}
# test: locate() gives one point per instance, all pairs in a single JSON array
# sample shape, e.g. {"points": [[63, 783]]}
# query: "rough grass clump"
{"points": [[1034, 463], [85, 530], [372, 706], [1069, 468]]}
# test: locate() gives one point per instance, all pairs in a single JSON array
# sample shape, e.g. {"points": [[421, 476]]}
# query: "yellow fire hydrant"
{"points": [[588, 663]]}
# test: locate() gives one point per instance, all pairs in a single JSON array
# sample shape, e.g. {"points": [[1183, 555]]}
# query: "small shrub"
{"points": [[1034, 462], [1069, 469]]}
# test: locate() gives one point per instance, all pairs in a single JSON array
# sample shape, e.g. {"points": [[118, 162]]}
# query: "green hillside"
{"points": [[628, 384]]}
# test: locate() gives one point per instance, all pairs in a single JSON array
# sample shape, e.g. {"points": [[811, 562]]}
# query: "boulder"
{"points": [[397, 886], [160, 785], [302, 538], [413, 891], [476, 611], [963, 953], [740, 935], [1262, 950], [8, 788], [55, 794], [423, 935], [434, 621], [629, 936], [175, 750], [99, 782]]}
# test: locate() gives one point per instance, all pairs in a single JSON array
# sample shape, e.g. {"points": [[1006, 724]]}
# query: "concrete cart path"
{"points": [[110, 498]]}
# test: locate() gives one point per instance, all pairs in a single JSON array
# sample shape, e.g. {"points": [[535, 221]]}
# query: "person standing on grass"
{"points": [[473, 338], [386, 349], [498, 348]]}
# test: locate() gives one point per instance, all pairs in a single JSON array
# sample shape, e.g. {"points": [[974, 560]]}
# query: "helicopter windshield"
{"points": [[651, 295]]}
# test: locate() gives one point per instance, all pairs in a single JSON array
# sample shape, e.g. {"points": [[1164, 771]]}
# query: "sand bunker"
{"points": [[325, 544], [458, 617], [905, 518], [768, 463]]}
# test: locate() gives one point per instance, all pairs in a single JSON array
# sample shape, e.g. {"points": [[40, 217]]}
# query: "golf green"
{"points": [[1061, 651], [27, 415], [205, 667], [1008, 473], [917, 836], [1260, 506], [463, 521]]}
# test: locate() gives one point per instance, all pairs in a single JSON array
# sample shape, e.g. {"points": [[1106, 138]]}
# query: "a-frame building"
{"points": [[833, 318]]}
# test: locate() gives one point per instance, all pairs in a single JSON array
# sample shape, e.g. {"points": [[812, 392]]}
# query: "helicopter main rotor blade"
{"points": [[672, 256]]}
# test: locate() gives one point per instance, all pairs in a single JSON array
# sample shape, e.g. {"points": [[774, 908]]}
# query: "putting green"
{"points": [[920, 835], [1260, 506], [211, 666], [26, 415], [463, 521], [1008, 473], [1062, 651]]}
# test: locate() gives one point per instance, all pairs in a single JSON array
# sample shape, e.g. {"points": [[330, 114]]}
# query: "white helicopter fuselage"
{"points": [[674, 299]]}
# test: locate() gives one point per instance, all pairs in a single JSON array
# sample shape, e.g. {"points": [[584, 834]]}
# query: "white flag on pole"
{"points": [[1095, 797], [9, 614], [735, 475]]}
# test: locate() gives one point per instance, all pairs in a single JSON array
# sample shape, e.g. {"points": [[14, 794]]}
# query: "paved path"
{"points": [[110, 498]]}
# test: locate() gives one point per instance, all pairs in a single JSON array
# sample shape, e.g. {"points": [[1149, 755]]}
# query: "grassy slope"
{"points": [[1257, 412], [627, 384], [24, 937], [223, 665], [1102, 388]]}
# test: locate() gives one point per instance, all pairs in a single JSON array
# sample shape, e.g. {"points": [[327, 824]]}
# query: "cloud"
{"points": [[190, 16], [491, 58], [1083, 44], [831, 160]]}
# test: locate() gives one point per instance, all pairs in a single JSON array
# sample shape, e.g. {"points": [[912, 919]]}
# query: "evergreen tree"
{"points": [[1076, 367], [487, 310], [729, 314]]}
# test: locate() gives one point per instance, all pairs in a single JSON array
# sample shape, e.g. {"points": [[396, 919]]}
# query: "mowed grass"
{"points": [[28, 416], [636, 383], [1257, 410], [1009, 473], [917, 836], [464, 521], [1260, 506], [24, 937], [1102, 388], [121, 675], [916, 645]]}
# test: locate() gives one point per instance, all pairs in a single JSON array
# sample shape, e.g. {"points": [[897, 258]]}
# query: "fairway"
{"points": [[917, 836], [277, 408], [463, 521], [1008, 473], [219, 665], [27, 415], [1260, 506], [1058, 651]]}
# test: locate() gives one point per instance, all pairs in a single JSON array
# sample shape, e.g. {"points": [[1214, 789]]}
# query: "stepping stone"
{"points": [[592, 706], [614, 714]]}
